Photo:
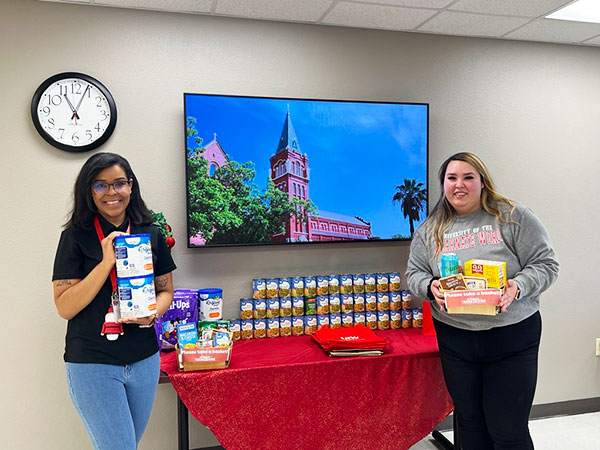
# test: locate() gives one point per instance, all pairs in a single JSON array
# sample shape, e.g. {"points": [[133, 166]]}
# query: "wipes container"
{"points": [[210, 304]]}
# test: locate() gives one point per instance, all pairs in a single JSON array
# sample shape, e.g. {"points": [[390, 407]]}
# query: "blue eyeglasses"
{"points": [[101, 187]]}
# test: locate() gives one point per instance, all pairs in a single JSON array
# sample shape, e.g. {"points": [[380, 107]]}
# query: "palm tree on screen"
{"points": [[412, 197]]}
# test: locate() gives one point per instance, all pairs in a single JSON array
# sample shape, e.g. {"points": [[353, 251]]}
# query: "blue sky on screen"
{"points": [[357, 152]]}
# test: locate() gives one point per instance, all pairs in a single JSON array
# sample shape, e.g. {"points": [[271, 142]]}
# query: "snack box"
{"points": [[493, 271], [480, 301], [203, 358]]}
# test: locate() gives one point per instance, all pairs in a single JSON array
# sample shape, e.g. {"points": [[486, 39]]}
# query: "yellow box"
{"points": [[493, 271]]}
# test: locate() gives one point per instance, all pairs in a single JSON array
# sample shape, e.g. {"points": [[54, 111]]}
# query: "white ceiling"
{"points": [[496, 19]]}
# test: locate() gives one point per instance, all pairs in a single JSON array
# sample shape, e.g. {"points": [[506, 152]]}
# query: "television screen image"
{"points": [[288, 171]]}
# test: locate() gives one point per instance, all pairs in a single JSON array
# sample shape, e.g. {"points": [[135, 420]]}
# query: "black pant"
{"points": [[491, 376]]}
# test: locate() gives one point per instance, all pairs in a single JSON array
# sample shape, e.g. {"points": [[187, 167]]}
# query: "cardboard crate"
{"points": [[207, 358]]}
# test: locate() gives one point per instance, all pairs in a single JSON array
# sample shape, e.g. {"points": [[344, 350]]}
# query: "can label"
{"points": [[358, 283], [334, 284], [297, 287], [272, 288], [272, 308], [346, 284], [260, 308], [259, 288], [382, 282], [449, 263], [394, 282], [335, 304], [322, 305], [370, 283], [285, 287], [310, 324], [246, 308], [310, 287]]}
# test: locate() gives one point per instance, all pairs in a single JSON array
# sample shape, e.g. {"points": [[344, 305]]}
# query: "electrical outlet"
{"points": [[597, 346]]}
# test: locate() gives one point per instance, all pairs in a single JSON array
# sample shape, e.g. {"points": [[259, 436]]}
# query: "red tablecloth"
{"points": [[286, 393]]}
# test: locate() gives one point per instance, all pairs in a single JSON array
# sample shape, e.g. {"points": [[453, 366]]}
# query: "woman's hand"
{"points": [[141, 321], [108, 251], [509, 294], [439, 297]]}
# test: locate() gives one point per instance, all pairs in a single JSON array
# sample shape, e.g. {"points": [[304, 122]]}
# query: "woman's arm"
{"points": [[71, 296]]}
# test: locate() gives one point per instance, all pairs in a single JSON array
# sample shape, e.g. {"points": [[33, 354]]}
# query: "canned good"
{"points": [[246, 308], [396, 319], [347, 319], [383, 320], [346, 284], [298, 326], [334, 284], [247, 328], [371, 319], [285, 307], [395, 301], [235, 326], [347, 303], [383, 282], [449, 263], [310, 287], [359, 302], [359, 318], [322, 320], [260, 328], [417, 318], [407, 318], [358, 283], [297, 287], [273, 327], [370, 283], [322, 305], [285, 287], [273, 288], [297, 306], [335, 304], [394, 278], [406, 300], [285, 326], [310, 306], [322, 285], [370, 301], [272, 307], [259, 288], [260, 309], [310, 324], [383, 301], [335, 320]]}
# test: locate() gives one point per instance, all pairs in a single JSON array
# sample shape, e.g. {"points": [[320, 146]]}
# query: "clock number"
{"points": [[97, 127], [45, 110], [63, 90], [51, 122], [76, 91], [62, 131], [104, 115], [55, 99], [75, 138], [88, 133]]}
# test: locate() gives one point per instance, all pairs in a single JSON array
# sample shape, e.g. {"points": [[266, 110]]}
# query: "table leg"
{"points": [[441, 439], [183, 434]]}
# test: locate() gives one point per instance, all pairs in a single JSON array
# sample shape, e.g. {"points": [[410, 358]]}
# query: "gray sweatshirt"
{"points": [[525, 247]]}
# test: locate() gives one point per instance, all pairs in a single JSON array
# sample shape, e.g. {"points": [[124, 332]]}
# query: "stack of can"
{"points": [[300, 305]]}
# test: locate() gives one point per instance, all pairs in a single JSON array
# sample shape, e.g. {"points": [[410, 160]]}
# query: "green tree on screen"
{"points": [[228, 207], [412, 197]]}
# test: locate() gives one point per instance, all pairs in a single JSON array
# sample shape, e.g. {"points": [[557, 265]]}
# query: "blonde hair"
{"points": [[443, 212]]}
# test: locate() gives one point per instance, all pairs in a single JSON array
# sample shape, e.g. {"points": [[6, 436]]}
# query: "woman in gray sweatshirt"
{"points": [[489, 362]]}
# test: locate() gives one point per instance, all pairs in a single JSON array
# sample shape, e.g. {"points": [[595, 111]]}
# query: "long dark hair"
{"points": [[84, 208]]}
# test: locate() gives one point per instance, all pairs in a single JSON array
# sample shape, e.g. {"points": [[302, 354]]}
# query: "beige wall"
{"points": [[529, 109]]}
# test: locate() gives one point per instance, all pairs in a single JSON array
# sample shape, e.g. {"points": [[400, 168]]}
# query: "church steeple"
{"points": [[288, 139]]}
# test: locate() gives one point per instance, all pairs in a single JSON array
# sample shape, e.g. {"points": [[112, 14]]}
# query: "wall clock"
{"points": [[74, 112]]}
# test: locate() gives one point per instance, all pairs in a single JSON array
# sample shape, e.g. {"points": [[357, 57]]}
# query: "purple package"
{"points": [[158, 331], [183, 309]]}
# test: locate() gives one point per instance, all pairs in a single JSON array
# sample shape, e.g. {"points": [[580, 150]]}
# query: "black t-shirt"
{"points": [[79, 251]]}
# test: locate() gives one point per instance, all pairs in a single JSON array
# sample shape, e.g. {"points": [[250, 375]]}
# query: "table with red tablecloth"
{"points": [[287, 393]]}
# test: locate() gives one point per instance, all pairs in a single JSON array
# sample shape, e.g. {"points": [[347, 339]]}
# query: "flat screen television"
{"points": [[263, 171]]}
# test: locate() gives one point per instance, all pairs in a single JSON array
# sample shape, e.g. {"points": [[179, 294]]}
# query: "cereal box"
{"points": [[493, 271]]}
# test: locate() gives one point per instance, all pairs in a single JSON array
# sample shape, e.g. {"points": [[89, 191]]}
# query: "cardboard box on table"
{"points": [[478, 301], [203, 358]]}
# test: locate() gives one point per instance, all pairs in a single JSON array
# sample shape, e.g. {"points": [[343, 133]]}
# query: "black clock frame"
{"points": [[71, 148]]}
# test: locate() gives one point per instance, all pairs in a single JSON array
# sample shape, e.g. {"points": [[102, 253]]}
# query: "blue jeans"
{"points": [[114, 402], [491, 376]]}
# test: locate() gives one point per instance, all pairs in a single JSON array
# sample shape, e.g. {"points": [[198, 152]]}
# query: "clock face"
{"points": [[74, 112]]}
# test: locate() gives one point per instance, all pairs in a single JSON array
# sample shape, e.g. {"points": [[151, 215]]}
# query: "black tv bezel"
{"points": [[301, 243]]}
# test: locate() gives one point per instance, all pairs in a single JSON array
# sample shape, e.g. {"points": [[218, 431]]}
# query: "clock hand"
{"points": [[75, 115], [81, 99]]}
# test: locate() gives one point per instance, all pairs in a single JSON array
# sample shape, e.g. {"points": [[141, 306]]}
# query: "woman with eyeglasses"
{"points": [[112, 373]]}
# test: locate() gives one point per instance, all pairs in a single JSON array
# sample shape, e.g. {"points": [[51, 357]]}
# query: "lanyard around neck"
{"points": [[100, 233]]}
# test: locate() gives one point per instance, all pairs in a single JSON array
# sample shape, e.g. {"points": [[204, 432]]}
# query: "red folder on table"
{"points": [[357, 337]]}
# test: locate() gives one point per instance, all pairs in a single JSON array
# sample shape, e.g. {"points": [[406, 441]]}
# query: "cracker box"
{"points": [[493, 271], [481, 301]]}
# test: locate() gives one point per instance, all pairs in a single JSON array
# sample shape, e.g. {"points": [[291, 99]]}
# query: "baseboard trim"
{"points": [[568, 408]]}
